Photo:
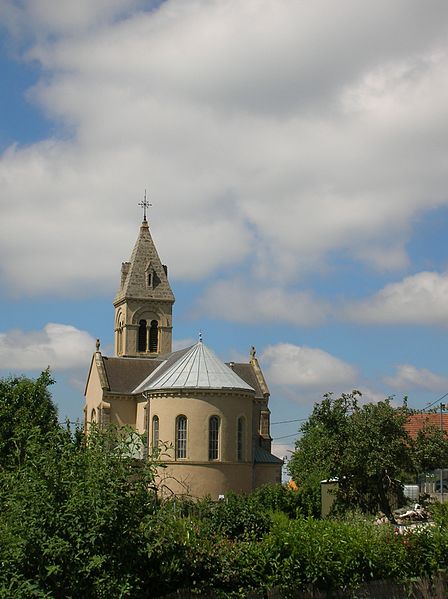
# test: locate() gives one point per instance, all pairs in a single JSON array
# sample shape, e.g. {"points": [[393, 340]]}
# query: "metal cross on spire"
{"points": [[144, 204]]}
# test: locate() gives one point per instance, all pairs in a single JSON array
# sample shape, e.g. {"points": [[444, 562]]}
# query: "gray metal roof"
{"points": [[262, 456], [198, 368]]}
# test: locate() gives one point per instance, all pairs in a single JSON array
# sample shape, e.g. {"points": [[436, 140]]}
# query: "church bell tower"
{"points": [[144, 302]]}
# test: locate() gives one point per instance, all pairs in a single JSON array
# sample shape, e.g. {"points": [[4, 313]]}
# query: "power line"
{"points": [[284, 437], [434, 402], [288, 421]]}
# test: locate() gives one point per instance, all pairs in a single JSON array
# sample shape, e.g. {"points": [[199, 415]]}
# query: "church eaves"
{"points": [[198, 368], [144, 277]]}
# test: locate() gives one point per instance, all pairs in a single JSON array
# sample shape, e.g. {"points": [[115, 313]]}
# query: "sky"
{"points": [[295, 154]]}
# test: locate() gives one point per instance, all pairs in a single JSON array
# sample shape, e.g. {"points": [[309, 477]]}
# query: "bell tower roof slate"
{"points": [[144, 277]]}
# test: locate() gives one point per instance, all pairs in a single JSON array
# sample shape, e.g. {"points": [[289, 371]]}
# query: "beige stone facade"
{"points": [[211, 419]]}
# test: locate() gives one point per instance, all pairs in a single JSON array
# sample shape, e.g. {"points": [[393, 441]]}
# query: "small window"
{"points": [[155, 432], [181, 437], [149, 279], [142, 336], [241, 433], [93, 415], [154, 336], [213, 438]]}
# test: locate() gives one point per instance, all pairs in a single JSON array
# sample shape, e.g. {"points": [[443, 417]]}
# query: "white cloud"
{"points": [[409, 377], [263, 137], [306, 368], [60, 346], [417, 299], [239, 302]]}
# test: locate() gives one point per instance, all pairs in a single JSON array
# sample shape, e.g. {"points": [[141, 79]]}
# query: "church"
{"points": [[211, 417]]}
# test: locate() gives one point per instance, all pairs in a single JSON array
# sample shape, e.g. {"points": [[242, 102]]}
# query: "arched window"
{"points": [[142, 335], [240, 438], [93, 415], [181, 437], [155, 432], [153, 336], [213, 438]]}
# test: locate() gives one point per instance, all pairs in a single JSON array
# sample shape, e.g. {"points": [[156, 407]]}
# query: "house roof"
{"points": [[417, 422], [196, 368]]}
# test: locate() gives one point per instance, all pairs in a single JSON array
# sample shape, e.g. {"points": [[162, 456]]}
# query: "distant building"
{"points": [[214, 416]]}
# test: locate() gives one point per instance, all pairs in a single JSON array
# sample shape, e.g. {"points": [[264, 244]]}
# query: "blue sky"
{"points": [[296, 158]]}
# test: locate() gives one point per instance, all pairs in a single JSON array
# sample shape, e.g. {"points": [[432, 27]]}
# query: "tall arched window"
{"points": [[142, 335], [93, 415], [181, 437], [240, 438], [153, 336], [213, 438], [155, 432]]}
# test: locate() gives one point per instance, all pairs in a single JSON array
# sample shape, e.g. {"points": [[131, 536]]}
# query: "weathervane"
{"points": [[144, 204]]}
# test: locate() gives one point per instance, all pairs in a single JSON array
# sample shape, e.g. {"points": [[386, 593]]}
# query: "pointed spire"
{"points": [[144, 276]]}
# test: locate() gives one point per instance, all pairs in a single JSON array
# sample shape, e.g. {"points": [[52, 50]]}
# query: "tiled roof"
{"points": [[197, 368], [124, 374], [246, 372], [416, 422]]}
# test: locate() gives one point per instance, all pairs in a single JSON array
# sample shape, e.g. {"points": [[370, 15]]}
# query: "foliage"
{"points": [[430, 449], [364, 447], [71, 514], [81, 518], [27, 412]]}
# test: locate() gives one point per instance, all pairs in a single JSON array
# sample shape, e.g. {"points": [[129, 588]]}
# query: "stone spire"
{"points": [[144, 276], [143, 303]]}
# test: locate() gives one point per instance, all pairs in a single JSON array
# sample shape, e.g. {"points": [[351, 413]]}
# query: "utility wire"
{"points": [[436, 401], [288, 421], [285, 437]]}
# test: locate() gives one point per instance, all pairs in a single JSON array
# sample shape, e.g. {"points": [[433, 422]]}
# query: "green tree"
{"points": [[430, 449], [27, 411], [365, 447], [73, 513]]}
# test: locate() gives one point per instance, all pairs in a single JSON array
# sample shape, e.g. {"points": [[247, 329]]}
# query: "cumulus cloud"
{"points": [[266, 141], [60, 346], [417, 299], [408, 377], [236, 301], [306, 368]]}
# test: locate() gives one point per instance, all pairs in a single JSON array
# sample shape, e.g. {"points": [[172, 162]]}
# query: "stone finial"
{"points": [[97, 345], [253, 352]]}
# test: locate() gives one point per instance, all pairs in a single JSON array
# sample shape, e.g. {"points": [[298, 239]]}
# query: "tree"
{"points": [[430, 449], [364, 447], [27, 411]]}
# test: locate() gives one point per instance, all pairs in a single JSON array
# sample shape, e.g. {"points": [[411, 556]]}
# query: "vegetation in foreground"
{"points": [[81, 518]]}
